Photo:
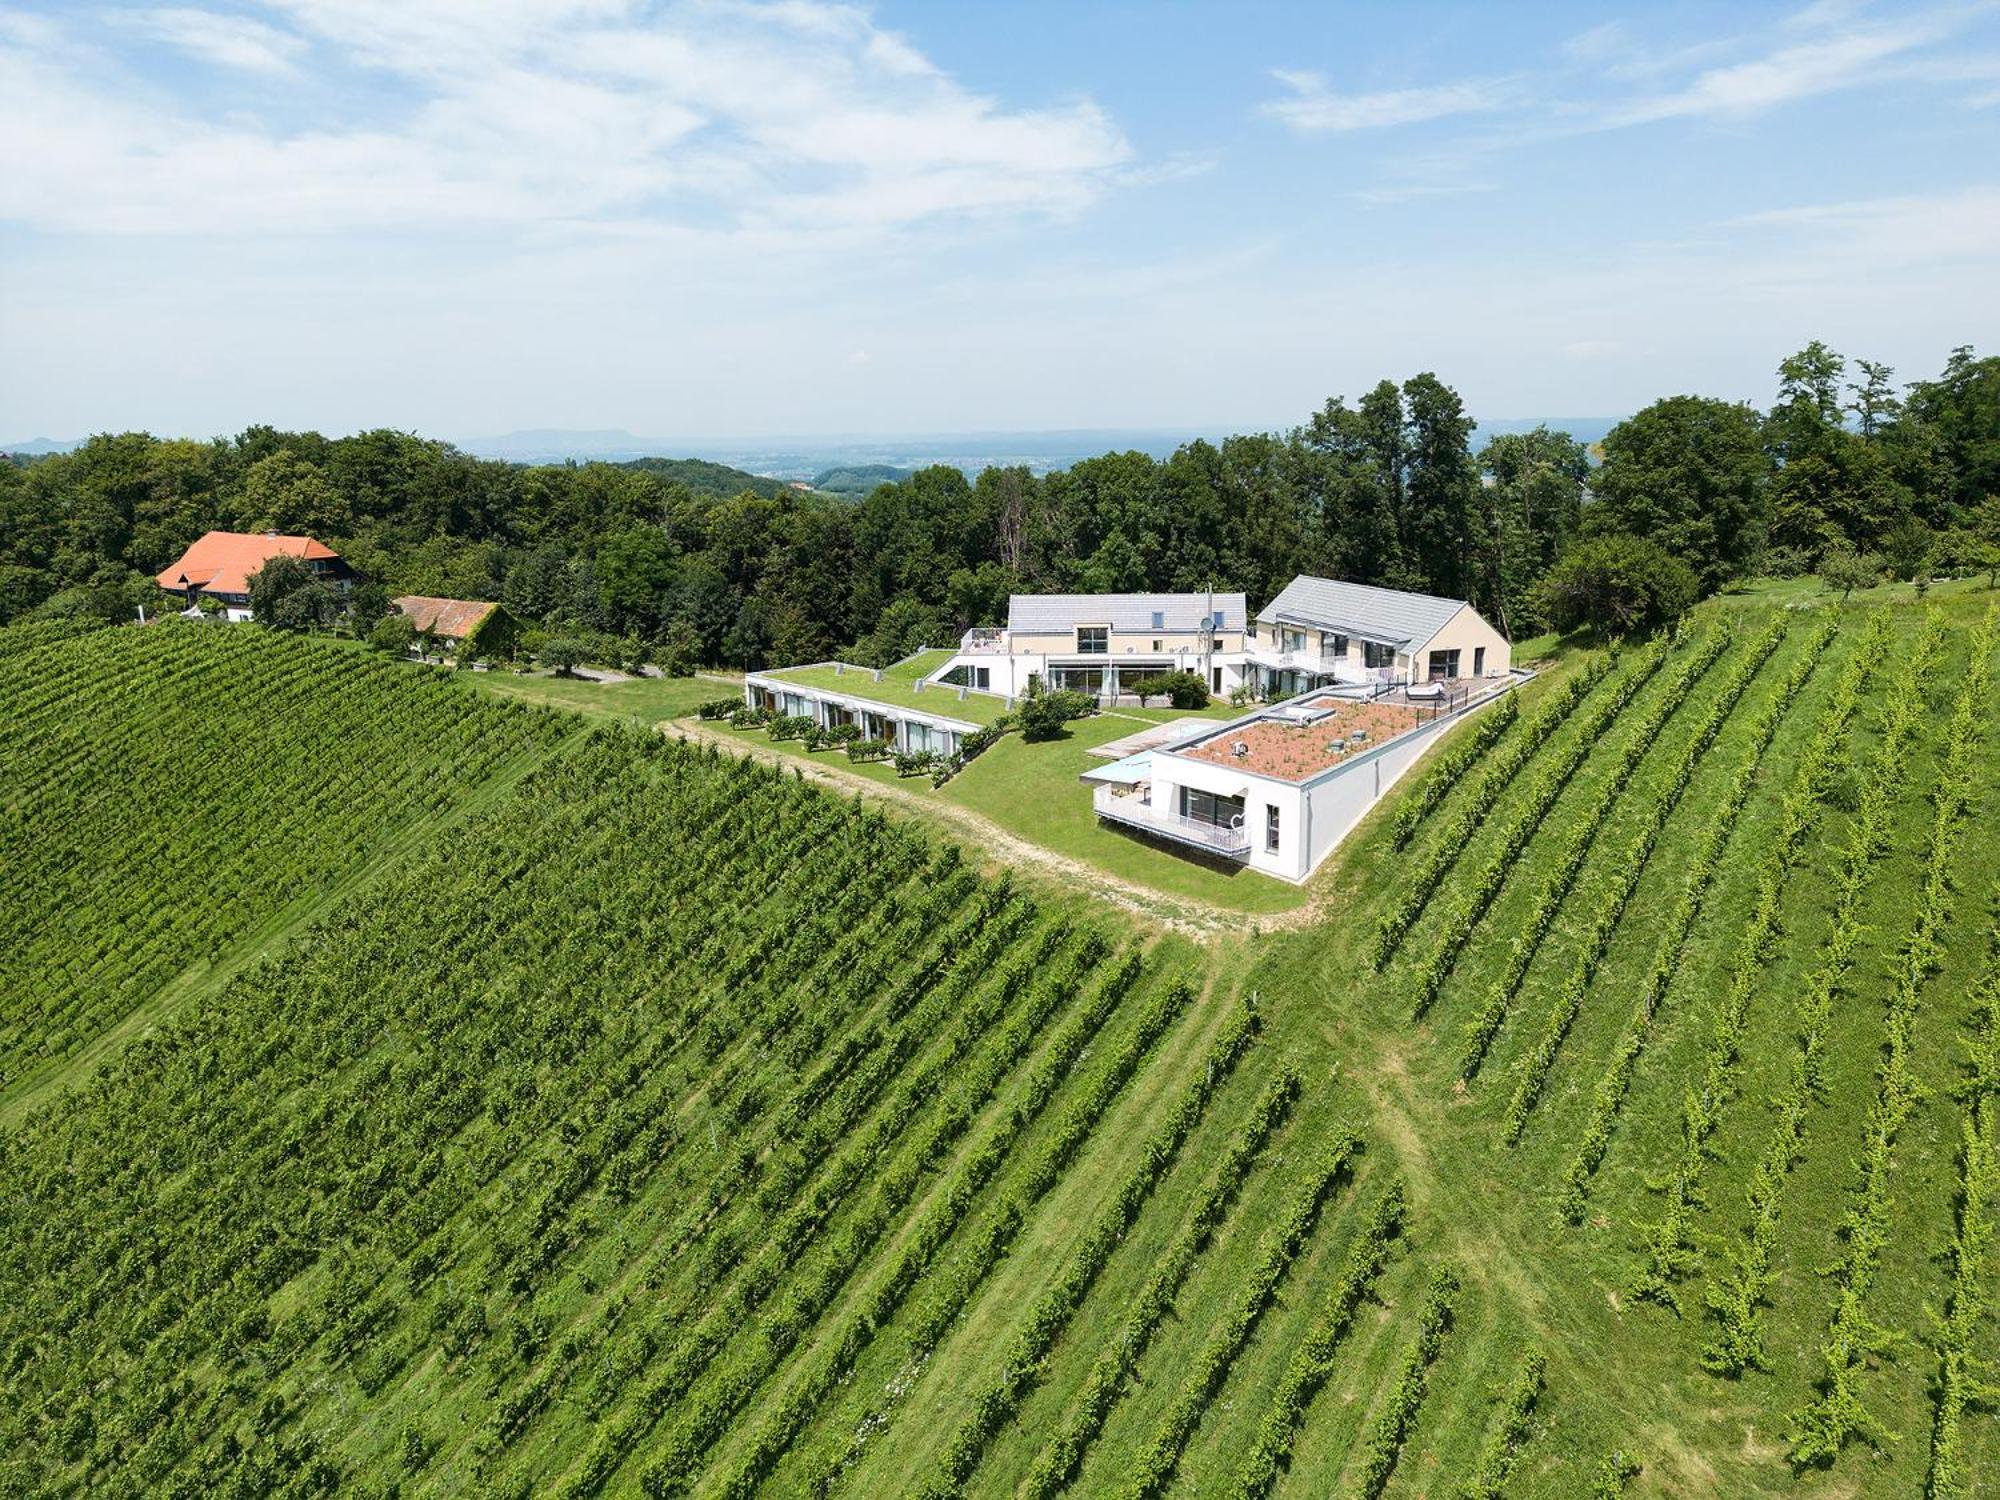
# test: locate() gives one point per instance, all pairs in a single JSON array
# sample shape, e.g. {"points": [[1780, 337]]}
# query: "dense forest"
{"points": [[1387, 489]]}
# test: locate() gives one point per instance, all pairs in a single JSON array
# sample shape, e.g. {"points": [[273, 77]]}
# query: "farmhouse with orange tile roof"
{"points": [[221, 563]]}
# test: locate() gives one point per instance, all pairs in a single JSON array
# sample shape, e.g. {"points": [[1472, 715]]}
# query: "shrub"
{"points": [[914, 762], [719, 708], [791, 727], [1043, 715], [867, 749], [1184, 689]]}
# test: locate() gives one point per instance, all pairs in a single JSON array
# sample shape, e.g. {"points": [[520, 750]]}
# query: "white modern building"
{"points": [[1101, 643], [1277, 789], [1320, 632]]}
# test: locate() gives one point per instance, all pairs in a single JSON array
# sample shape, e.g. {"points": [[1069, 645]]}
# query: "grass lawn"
{"points": [[1809, 590], [1032, 790], [647, 699]]}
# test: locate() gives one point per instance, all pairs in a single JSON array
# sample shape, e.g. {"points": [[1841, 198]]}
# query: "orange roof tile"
{"points": [[222, 561], [453, 619]]}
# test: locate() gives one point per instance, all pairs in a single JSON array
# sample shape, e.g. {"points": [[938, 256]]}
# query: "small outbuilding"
{"points": [[460, 625]]}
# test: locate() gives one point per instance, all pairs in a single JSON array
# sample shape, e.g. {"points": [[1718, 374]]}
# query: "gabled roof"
{"points": [[1388, 616], [222, 561], [452, 619], [1045, 614]]}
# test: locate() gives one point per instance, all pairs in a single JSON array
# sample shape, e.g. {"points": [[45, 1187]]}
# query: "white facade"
{"points": [[909, 730], [1101, 643], [1282, 827]]}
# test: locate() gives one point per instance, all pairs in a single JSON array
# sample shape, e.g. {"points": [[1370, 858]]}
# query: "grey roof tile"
{"points": [[1361, 610], [1043, 614]]}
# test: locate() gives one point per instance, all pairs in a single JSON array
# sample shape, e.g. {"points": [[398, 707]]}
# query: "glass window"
{"points": [[1206, 807], [1159, 619], [1216, 619], [1444, 664], [982, 677], [1095, 639], [1373, 654], [1271, 829], [1478, 661]]}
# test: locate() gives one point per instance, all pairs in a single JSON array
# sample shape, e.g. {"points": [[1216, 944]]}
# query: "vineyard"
{"points": [[408, 1093]]}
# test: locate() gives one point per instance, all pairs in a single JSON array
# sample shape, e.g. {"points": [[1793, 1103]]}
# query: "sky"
{"points": [[726, 219]]}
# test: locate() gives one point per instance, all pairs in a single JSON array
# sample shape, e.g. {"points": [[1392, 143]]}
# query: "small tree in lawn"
{"points": [[564, 655], [1152, 685], [1843, 570]]}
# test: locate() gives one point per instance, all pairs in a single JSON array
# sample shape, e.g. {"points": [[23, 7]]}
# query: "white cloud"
{"points": [[1313, 107], [229, 41], [1844, 55], [723, 118]]}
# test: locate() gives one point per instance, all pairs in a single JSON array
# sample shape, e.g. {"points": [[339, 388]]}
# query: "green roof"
{"points": [[898, 689]]}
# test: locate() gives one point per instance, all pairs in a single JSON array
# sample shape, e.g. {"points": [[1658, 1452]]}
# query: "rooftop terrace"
{"points": [[897, 688], [1299, 739]]}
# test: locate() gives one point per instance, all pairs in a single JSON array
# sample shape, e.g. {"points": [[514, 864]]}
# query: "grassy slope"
{"points": [[1620, 1373]]}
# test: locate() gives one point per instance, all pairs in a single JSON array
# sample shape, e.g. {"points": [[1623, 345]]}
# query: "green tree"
{"points": [[272, 588], [393, 635], [1527, 514], [1618, 584], [1843, 570], [1691, 474], [563, 654]]}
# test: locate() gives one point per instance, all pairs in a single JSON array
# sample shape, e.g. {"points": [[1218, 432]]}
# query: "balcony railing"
{"points": [[984, 640], [1134, 810]]}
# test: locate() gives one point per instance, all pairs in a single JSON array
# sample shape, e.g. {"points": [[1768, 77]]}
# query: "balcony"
{"points": [[1135, 810], [984, 640]]}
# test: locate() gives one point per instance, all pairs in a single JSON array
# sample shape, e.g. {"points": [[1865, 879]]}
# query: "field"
{"points": [[523, 1105]]}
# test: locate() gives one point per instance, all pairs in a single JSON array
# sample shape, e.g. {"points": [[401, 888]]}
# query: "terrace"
{"points": [[1305, 737]]}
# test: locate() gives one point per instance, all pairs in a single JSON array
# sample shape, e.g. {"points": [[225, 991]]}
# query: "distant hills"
{"points": [[704, 477], [852, 465], [858, 479]]}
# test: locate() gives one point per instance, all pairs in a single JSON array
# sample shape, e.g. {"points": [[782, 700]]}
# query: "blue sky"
{"points": [[723, 219]]}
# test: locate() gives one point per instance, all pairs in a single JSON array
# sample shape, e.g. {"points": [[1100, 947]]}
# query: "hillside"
{"points": [[858, 479], [704, 477], [536, 1108]]}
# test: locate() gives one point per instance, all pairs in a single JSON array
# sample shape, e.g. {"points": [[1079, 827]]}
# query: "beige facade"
{"points": [[1466, 647]]}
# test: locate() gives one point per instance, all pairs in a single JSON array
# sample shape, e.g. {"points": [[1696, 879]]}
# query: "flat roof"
{"points": [[897, 688], [1302, 737]]}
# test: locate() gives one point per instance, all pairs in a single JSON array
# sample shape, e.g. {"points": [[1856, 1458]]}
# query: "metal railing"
{"points": [[1135, 810]]}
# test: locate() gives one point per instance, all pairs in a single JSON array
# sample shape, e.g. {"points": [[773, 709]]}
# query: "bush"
{"points": [[867, 749], [914, 762], [718, 708], [1184, 689], [1043, 716], [791, 727], [1618, 584]]}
